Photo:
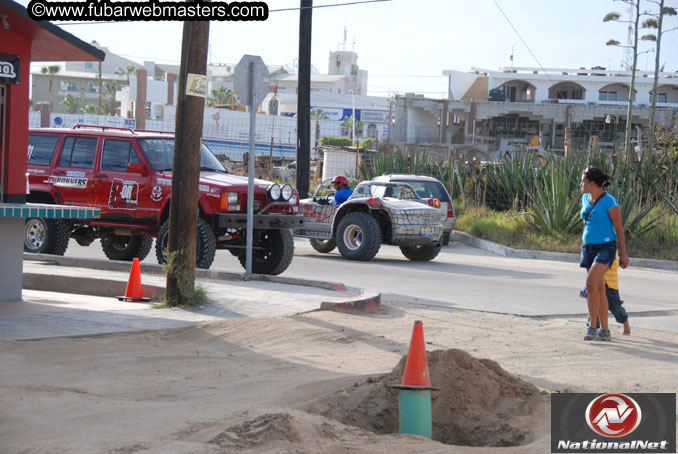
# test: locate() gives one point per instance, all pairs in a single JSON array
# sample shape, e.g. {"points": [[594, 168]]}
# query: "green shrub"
{"points": [[328, 141]]}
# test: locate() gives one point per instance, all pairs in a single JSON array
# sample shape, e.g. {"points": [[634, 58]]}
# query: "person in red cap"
{"points": [[342, 190]]}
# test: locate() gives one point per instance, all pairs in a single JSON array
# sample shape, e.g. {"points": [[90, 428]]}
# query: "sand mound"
{"points": [[291, 431], [478, 403]]}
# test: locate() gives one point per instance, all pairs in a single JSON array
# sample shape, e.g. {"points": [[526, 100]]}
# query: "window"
{"points": [[89, 65], [93, 87], [78, 152], [607, 96], [661, 97], [117, 155], [69, 85], [41, 148]]}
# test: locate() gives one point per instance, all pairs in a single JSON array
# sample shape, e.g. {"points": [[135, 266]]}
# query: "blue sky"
{"points": [[406, 44]]}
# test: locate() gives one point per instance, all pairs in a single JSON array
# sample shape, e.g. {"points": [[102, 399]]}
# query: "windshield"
{"points": [[159, 153], [382, 190]]}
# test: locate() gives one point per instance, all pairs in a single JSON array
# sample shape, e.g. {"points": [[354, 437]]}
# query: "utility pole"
{"points": [[304, 99], [181, 245]]}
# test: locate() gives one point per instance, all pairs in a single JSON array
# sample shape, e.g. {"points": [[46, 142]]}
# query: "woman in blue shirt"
{"points": [[603, 234]]}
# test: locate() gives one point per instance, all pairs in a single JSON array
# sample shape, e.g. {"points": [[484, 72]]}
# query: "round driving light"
{"points": [[286, 192], [274, 191]]}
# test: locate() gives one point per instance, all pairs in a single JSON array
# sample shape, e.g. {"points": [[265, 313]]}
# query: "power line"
{"points": [[523, 41]]}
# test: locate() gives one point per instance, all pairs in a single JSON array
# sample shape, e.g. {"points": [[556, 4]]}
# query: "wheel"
{"points": [[323, 245], [421, 253], [205, 247], [271, 253], [123, 247], [45, 236], [446, 238], [358, 236]]}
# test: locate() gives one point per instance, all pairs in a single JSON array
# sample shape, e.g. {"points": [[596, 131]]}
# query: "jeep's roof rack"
{"points": [[154, 131], [103, 128]]}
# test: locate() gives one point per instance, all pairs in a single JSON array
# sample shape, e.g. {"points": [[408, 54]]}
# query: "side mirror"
{"points": [[137, 167]]}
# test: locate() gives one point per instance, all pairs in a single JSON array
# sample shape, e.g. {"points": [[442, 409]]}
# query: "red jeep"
{"points": [[128, 175]]}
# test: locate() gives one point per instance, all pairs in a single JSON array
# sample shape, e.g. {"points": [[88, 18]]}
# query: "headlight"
{"points": [[229, 201], [274, 191], [286, 192], [293, 199]]}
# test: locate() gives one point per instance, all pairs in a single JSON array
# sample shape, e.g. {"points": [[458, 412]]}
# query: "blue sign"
{"points": [[58, 121]]}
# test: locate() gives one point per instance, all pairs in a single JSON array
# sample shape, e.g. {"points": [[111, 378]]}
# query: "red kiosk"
{"points": [[23, 40]]}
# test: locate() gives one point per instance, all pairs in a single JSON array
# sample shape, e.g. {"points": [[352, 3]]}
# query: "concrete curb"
{"points": [[364, 302], [367, 301], [506, 251], [85, 286]]}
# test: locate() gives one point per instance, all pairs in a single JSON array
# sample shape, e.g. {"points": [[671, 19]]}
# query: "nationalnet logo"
{"points": [[613, 415], [612, 423]]}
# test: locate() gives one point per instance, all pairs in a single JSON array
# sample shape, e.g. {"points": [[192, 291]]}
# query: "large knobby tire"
{"points": [[422, 253], [45, 236], [205, 247], [271, 253], [123, 247], [323, 246], [358, 237]]}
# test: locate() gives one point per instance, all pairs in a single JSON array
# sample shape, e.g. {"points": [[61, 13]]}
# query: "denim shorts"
{"points": [[598, 253]]}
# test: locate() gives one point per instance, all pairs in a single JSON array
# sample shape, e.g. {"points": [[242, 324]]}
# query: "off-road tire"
{"points": [[126, 248], [358, 237], [272, 252], [323, 246], [46, 236], [205, 247], [446, 238], [422, 253]]}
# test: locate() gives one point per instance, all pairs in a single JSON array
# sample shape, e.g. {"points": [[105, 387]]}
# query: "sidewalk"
{"points": [[71, 297]]}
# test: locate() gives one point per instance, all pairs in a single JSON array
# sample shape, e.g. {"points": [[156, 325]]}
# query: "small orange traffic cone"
{"points": [[416, 365], [414, 394], [133, 292]]}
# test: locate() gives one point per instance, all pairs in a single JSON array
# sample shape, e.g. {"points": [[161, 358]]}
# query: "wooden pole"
{"points": [[304, 99], [183, 216]]}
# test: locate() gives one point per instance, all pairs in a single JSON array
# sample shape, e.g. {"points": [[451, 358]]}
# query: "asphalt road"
{"points": [[465, 277]]}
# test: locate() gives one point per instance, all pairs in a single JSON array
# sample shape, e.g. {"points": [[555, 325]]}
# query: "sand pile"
{"points": [[478, 403]]}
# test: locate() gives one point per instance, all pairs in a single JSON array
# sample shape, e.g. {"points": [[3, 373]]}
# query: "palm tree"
{"points": [[92, 109], [126, 71], [222, 95], [71, 103], [318, 114], [52, 70], [109, 91], [347, 124]]}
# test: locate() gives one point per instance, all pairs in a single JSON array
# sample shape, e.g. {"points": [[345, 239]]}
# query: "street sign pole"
{"points": [[251, 85], [250, 172]]}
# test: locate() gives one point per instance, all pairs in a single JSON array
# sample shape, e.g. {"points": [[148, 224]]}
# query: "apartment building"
{"points": [[83, 86]]}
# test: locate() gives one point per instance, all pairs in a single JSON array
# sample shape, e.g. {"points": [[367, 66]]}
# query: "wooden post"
{"points": [[357, 159], [183, 215]]}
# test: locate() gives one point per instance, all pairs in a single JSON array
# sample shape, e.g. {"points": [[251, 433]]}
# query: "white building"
{"points": [[491, 107]]}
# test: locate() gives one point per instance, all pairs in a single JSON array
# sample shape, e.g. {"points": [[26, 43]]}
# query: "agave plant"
{"points": [[554, 205]]}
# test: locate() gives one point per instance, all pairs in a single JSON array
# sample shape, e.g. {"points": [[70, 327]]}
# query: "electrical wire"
{"points": [[522, 40]]}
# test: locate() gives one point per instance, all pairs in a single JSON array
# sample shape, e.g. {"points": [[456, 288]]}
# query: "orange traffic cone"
{"points": [[416, 365], [133, 292]]}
